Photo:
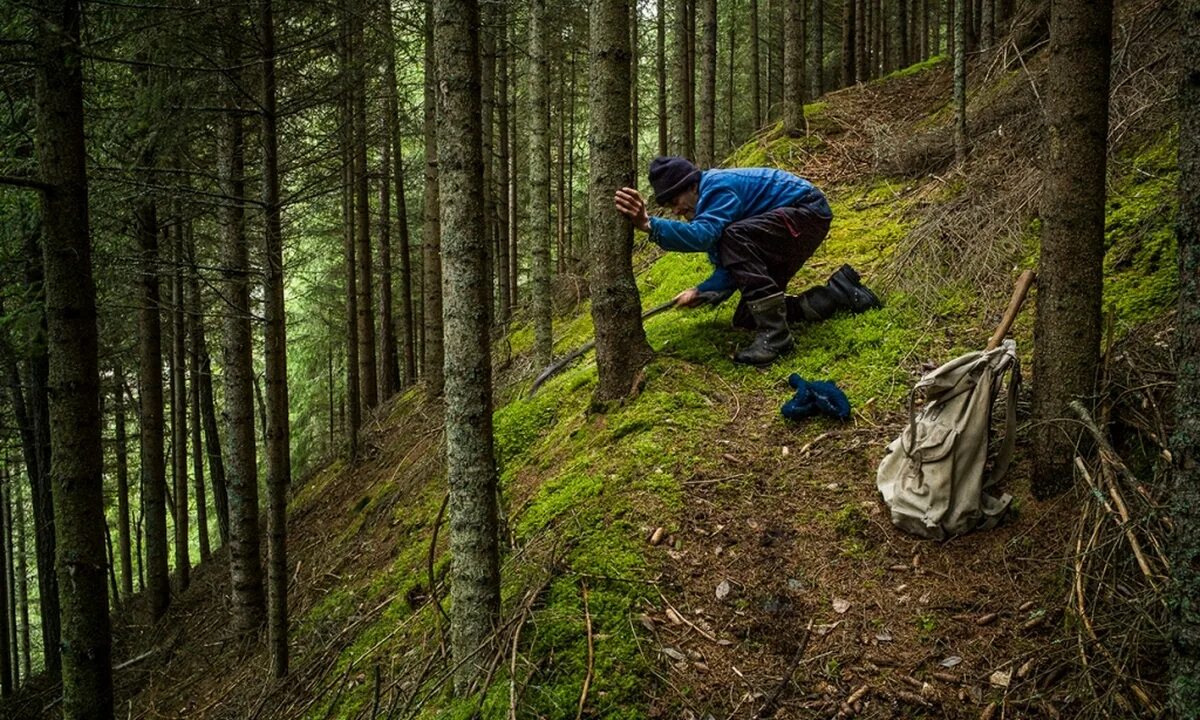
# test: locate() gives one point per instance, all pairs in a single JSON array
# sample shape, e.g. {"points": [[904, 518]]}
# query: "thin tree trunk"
{"points": [[849, 50], [368, 371], [179, 400], [861, 69], [730, 86], [689, 127], [245, 566], [774, 58], [960, 81], [7, 639], [1067, 325], [212, 438], [349, 223], [23, 588], [987, 24], [903, 34], [389, 367], [755, 51], [708, 83], [10, 567], [677, 123], [475, 581], [487, 89], [793, 68], [503, 130], [430, 241], [560, 189], [514, 189], [635, 61], [150, 384], [74, 372], [539, 188], [195, 320], [1184, 599], [621, 347], [278, 432], [407, 325], [123, 544], [660, 68], [816, 44]]}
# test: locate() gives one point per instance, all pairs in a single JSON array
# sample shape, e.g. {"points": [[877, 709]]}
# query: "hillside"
{"points": [[767, 526]]}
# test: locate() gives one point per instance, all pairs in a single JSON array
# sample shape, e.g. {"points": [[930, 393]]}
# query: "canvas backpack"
{"points": [[933, 476]]}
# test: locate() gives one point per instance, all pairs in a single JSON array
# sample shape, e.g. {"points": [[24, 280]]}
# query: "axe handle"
{"points": [[1014, 306]]}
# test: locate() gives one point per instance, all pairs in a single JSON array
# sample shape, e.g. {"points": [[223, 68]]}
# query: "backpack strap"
{"points": [[1005, 454]]}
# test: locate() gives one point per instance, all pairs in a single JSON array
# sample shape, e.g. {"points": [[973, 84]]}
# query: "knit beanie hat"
{"points": [[670, 176]]}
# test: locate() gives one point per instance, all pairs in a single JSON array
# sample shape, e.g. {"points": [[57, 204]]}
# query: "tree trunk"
{"points": [[987, 24], [1185, 443], [849, 50], [430, 240], [7, 639], [539, 186], [76, 451], [730, 86], [677, 122], [560, 190], [237, 357], [661, 73], [635, 63], [1067, 326], [689, 125], [195, 321], [514, 189], [212, 438], [349, 223], [708, 83], [123, 544], [503, 134], [816, 43], [475, 572], [960, 81], [150, 382], [389, 367], [860, 40], [23, 588], [621, 347], [487, 89], [903, 34], [179, 400], [793, 69], [368, 372], [278, 432], [406, 332], [10, 559]]}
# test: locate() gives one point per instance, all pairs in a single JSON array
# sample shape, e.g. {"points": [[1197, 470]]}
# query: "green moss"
{"points": [[913, 69], [1140, 271]]}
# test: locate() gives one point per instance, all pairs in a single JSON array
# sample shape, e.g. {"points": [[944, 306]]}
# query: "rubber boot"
{"points": [[843, 291], [774, 338], [854, 296]]}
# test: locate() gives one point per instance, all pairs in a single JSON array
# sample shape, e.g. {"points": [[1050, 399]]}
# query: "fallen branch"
{"points": [[587, 679], [768, 710]]}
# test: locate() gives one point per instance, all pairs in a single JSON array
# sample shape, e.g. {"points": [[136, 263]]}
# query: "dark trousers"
{"points": [[764, 252]]}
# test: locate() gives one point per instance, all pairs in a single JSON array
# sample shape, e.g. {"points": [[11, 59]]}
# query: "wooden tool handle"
{"points": [[1014, 306]]}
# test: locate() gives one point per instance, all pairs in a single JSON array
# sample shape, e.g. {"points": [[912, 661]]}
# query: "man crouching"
{"points": [[758, 226]]}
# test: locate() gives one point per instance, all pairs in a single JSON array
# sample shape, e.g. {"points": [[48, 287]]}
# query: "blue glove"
{"points": [[815, 397]]}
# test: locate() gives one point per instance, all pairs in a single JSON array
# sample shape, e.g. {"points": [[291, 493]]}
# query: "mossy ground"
{"points": [[785, 511]]}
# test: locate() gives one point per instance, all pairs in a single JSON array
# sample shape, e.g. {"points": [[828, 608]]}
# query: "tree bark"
{"points": [[10, 559], [902, 34], [349, 222], [179, 400], [487, 89], [278, 432], [475, 572], [635, 62], [621, 347], [249, 607], [1067, 326], [389, 366], [793, 68], [76, 451], [7, 639], [539, 186], [23, 588], [430, 240], [368, 371], [150, 380], [677, 122], [503, 134], [708, 83], [660, 68], [1184, 598], [849, 50], [860, 40], [212, 438], [122, 452], [960, 81], [195, 323], [816, 43]]}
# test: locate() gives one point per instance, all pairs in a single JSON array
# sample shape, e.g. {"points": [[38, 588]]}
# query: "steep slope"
{"points": [[766, 525]]}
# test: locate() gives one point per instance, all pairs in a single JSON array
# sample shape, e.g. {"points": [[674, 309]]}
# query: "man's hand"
{"points": [[629, 201], [689, 298]]}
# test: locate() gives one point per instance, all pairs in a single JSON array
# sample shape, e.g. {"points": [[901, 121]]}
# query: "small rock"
{"points": [[1001, 678], [723, 590], [950, 661], [673, 653], [840, 605]]}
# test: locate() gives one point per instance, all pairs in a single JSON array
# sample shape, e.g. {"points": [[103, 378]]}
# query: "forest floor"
{"points": [[771, 531]]}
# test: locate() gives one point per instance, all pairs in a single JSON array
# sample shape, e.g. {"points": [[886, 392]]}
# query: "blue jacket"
{"points": [[727, 196]]}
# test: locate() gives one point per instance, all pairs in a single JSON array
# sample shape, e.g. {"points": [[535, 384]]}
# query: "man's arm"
{"points": [[721, 207]]}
